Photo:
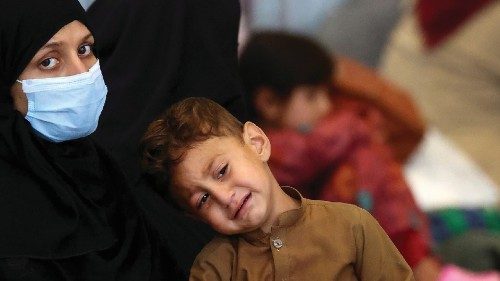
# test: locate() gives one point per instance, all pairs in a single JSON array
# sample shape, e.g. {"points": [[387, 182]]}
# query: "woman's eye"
{"points": [[84, 50], [203, 200], [49, 63], [222, 172]]}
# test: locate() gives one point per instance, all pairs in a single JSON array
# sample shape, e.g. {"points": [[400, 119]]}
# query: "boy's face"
{"points": [[305, 107], [227, 183]]}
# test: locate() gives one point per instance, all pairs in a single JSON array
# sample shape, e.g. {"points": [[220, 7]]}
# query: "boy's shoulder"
{"points": [[218, 254], [219, 244], [334, 213], [328, 206], [314, 205], [220, 247]]}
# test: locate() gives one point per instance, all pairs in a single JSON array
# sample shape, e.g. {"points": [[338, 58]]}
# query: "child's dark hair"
{"points": [[282, 61], [179, 129]]}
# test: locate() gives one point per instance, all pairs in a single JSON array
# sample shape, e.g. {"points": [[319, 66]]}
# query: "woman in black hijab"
{"points": [[153, 53], [65, 210]]}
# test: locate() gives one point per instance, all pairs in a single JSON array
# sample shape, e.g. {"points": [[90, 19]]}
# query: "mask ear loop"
{"points": [[19, 81]]}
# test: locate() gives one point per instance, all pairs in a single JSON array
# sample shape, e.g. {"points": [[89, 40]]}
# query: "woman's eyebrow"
{"points": [[55, 44], [87, 37], [51, 45]]}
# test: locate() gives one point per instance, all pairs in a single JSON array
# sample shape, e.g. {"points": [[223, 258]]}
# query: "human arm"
{"points": [[404, 126], [376, 256], [391, 201], [297, 158]]}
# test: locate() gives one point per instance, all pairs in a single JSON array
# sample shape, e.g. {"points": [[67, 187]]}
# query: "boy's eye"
{"points": [[222, 172], [49, 63], [313, 95], [84, 50], [203, 200]]}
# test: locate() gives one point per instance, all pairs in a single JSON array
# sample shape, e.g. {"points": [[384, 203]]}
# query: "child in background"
{"points": [[215, 168], [333, 148]]}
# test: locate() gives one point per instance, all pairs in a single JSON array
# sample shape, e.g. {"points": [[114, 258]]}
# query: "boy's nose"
{"points": [[226, 197], [324, 102]]}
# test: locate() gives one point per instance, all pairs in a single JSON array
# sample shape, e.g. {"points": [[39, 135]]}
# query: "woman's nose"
{"points": [[75, 65]]}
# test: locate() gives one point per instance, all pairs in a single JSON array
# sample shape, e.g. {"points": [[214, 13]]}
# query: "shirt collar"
{"points": [[284, 220]]}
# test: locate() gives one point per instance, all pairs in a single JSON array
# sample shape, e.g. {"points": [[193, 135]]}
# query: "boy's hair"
{"points": [[282, 61], [179, 129]]}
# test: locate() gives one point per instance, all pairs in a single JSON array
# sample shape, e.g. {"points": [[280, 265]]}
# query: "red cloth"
{"points": [[343, 159], [413, 244], [439, 18]]}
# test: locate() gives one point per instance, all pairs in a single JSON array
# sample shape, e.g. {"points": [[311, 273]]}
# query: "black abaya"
{"points": [[153, 53], [156, 52], [66, 212]]}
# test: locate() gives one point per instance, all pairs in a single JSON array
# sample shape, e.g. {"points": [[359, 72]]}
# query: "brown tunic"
{"points": [[319, 241]]}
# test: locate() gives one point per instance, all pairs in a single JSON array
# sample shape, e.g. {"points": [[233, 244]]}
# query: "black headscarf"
{"points": [[66, 212], [25, 26], [156, 52], [153, 53]]}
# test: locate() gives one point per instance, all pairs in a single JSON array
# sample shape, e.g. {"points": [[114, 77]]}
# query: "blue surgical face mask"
{"points": [[65, 108]]}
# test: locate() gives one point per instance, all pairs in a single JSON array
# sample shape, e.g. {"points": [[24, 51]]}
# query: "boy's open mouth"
{"points": [[242, 204]]}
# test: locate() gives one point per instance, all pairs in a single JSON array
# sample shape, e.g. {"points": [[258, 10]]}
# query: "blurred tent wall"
{"points": [[86, 3], [356, 28]]}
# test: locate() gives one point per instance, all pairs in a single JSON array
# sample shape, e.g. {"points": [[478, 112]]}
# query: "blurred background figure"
{"points": [[459, 152], [456, 185], [333, 140], [446, 53]]}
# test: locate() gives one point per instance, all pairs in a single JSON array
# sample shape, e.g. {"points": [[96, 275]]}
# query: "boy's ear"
{"points": [[267, 104], [257, 140]]}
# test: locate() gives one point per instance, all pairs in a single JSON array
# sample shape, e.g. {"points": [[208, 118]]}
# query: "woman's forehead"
{"points": [[74, 29]]}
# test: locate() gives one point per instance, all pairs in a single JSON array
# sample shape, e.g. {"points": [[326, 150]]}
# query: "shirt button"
{"points": [[277, 243]]}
